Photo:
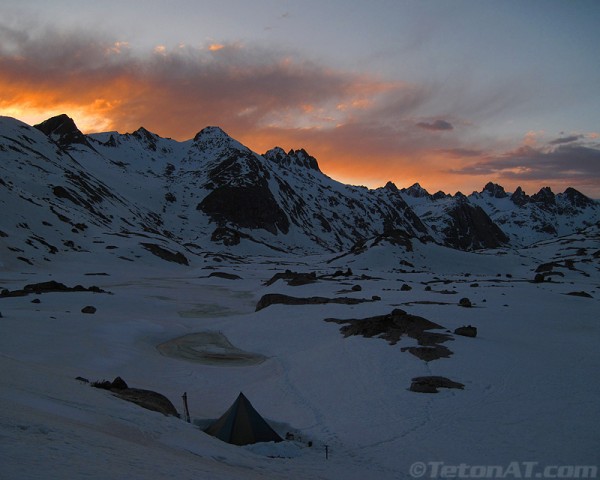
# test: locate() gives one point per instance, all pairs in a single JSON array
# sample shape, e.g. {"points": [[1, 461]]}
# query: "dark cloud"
{"points": [[463, 152], [436, 125], [567, 163], [562, 140]]}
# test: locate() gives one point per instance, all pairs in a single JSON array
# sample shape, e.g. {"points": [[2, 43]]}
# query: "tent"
{"points": [[242, 425]]}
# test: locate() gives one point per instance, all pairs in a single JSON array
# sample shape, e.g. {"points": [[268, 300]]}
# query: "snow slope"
{"points": [[529, 393]]}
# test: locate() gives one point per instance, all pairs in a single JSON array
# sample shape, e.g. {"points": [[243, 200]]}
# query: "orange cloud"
{"points": [[362, 129]]}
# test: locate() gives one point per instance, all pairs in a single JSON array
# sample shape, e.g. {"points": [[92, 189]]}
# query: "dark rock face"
{"points": [[294, 157], [62, 128], [431, 384], [545, 199], [471, 228], [578, 199], [495, 190], [251, 206], [519, 197]]}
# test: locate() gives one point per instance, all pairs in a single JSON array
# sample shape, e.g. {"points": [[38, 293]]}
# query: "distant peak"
{"points": [[494, 190], [417, 191], [60, 124], [391, 186], [62, 129], [293, 157], [211, 133], [576, 198], [519, 197]]}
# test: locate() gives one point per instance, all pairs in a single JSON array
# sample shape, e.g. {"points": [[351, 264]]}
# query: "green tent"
{"points": [[242, 425]]}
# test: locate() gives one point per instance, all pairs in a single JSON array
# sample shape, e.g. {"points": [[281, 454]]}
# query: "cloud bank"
{"points": [[362, 128]]}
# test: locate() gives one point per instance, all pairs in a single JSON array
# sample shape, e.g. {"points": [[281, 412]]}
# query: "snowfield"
{"points": [[531, 392]]}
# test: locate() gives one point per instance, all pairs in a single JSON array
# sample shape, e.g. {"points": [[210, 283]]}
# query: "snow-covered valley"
{"points": [[529, 390]]}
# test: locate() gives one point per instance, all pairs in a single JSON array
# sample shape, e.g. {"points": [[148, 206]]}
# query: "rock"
{"points": [[118, 384], [405, 288], [169, 256], [36, 300], [227, 276], [432, 383], [393, 326], [88, 309], [144, 398], [82, 379], [539, 278], [467, 331], [356, 288], [580, 294], [278, 298], [375, 298], [465, 302]]}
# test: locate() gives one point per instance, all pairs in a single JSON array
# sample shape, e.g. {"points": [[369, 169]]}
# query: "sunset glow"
{"points": [[384, 113]]}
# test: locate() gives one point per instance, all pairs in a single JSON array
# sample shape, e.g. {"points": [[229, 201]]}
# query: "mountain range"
{"points": [[65, 191]]}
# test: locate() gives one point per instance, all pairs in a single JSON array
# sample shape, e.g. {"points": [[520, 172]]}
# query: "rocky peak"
{"points": [[519, 197], [62, 130], [146, 136], [391, 186], [577, 199], [416, 191], [545, 197], [214, 138], [294, 157], [439, 195], [494, 190]]}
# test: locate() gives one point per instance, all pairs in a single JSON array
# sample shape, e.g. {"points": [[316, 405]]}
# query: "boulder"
{"points": [[467, 331], [465, 302], [432, 383], [89, 309]]}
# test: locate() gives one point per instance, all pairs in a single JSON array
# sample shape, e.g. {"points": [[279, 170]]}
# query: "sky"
{"points": [[448, 93]]}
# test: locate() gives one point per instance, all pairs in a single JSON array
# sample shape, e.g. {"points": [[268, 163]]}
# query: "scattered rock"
{"points": [[82, 379], [405, 288], [48, 287], [356, 288], [467, 331], [88, 309], [393, 326], [465, 302], [36, 300], [432, 383]]}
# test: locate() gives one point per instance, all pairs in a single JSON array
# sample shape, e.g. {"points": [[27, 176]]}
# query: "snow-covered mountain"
{"points": [[125, 194], [515, 219]]}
